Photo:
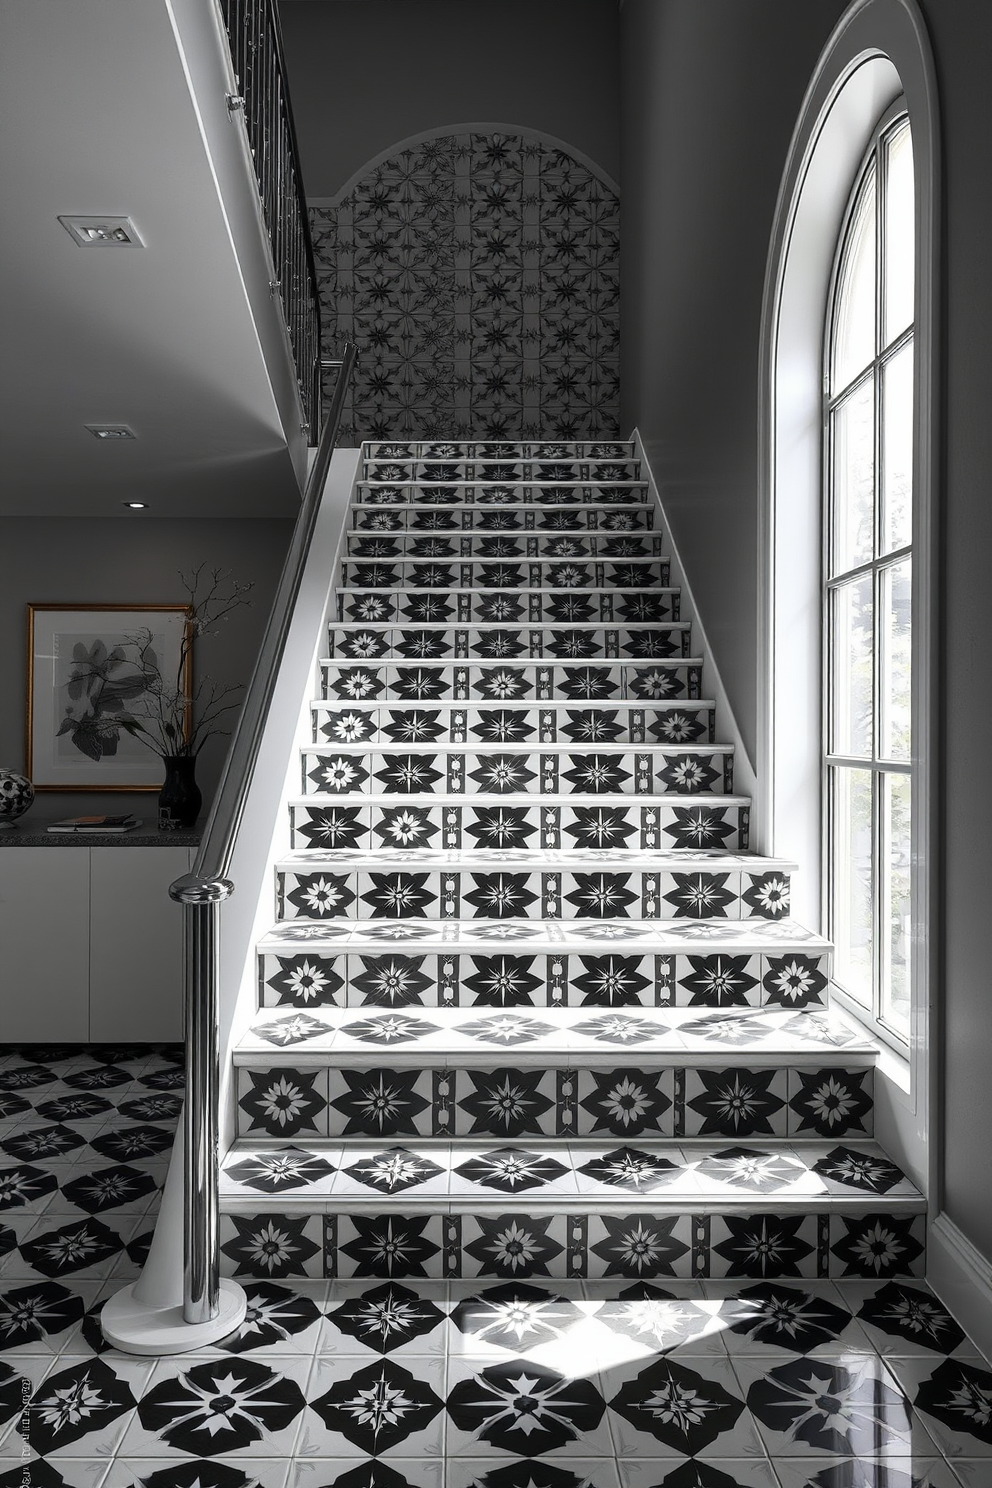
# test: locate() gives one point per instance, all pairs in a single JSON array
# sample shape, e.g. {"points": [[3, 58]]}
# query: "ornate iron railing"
{"points": [[257, 54]]}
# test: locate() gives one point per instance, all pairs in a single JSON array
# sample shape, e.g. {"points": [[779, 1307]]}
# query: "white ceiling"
{"points": [[119, 107]]}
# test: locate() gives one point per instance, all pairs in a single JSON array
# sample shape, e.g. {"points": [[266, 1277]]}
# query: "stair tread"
{"points": [[521, 747], [490, 1174], [443, 663], [661, 860], [590, 936], [522, 798], [580, 1035]]}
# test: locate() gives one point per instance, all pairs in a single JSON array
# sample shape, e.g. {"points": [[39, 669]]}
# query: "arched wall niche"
{"points": [[477, 269], [878, 51]]}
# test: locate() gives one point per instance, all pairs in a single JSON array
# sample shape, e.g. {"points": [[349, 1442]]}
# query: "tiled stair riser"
{"points": [[572, 642], [738, 1103], [508, 606], [512, 723], [686, 771], [503, 547], [484, 517], [387, 977], [644, 1245], [495, 681], [489, 449], [388, 891], [431, 573], [424, 824]]}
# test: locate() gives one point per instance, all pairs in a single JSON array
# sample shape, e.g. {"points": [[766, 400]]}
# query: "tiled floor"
{"points": [[434, 1385]]}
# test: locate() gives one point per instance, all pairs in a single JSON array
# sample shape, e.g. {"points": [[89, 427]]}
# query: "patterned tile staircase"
{"points": [[530, 1007]]}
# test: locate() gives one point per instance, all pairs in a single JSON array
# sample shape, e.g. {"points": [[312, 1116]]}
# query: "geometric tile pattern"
{"points": [[348, 886], [510, 723], [531, 1009], [506, 1375], [426, 823], [448, 887], [733, 1102], [479, 276], [387, 974]]}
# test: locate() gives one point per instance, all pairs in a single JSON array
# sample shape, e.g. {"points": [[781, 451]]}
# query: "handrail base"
{"points": [[139, 1328]]}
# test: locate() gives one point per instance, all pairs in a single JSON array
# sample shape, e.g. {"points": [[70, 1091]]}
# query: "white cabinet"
{"points": [[136, 946], [44, 945], [90, 944]]}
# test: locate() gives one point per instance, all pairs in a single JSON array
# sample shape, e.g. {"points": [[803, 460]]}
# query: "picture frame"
{"points": [[85, 667]]}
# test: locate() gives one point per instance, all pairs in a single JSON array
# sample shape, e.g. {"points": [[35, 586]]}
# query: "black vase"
{"points": [[179, 800]]}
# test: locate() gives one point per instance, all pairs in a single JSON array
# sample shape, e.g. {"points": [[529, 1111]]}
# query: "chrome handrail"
{"points": [[202, 891]]}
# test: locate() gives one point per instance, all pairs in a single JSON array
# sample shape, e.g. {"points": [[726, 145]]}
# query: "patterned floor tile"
{"points": [[77, 1405], [819, 1408], [524, 1409], [667, 1407], [382, 1407], [907, 1318], [231, 1408], [953, 1399], [722, 1473], [156, 1472], [365, 1472], [391, 1319]]}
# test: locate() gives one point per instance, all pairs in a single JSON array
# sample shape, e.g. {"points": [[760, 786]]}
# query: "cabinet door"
{"points": [[44, 944], [136, 960]]}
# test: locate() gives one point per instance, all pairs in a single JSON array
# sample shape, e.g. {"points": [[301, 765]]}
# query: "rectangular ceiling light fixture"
{"points": [[90, 232], [110, 431]]}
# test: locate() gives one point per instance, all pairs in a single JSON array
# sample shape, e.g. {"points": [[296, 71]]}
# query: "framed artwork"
{"points": [[90, 667]]}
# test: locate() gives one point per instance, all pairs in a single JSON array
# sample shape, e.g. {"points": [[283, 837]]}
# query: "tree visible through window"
{"points": [[868, 529]]}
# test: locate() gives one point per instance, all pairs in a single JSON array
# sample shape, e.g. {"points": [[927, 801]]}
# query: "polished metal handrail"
{"points": [[258, 59], [202, 891]]}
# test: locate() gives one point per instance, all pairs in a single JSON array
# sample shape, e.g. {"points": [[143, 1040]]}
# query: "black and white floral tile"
{"points": [[479, 276], [492, 1380], [643, 1098]]}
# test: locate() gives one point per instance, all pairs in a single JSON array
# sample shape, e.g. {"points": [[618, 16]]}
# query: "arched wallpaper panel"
{"points": [[479, 276]]}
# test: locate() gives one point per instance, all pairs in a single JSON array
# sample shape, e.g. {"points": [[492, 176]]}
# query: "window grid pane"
{"points": [[854, 323], [900, 232], [868, 514], [852, 648], [896, 661], [896, 527], [896, 905], [852, 884], [853, 479]]}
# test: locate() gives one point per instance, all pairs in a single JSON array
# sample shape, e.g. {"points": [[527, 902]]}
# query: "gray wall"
{"points": [[124, 560], [711, 92], [366, 74], [961, 35], [711, 95]]}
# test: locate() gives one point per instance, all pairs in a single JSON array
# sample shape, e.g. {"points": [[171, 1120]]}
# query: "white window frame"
{"points": [[878, 50], [882, 353]]}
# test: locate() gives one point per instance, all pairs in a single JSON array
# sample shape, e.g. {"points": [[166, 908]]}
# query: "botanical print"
{"points": [[92, 670]]}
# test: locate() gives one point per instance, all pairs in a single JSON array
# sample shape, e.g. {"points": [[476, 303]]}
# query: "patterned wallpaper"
{"points": [[479, 276]]}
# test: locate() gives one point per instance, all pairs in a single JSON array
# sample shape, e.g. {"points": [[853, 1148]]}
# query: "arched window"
{"points": [[868, 444], [849, 367]]}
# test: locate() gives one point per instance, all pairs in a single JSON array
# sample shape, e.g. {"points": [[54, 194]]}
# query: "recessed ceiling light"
{"points": [[110, 431], [90, 232], [135, 505]]}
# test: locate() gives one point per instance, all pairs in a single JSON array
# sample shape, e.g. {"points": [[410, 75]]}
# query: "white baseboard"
{"points": [[962, 1277], [727, 731]]}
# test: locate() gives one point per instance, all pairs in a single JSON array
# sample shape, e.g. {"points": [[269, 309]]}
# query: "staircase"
{"points": [[529, 1006]]}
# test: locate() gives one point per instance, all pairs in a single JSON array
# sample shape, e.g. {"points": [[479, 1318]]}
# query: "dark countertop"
{"points": [[29, 831]]}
